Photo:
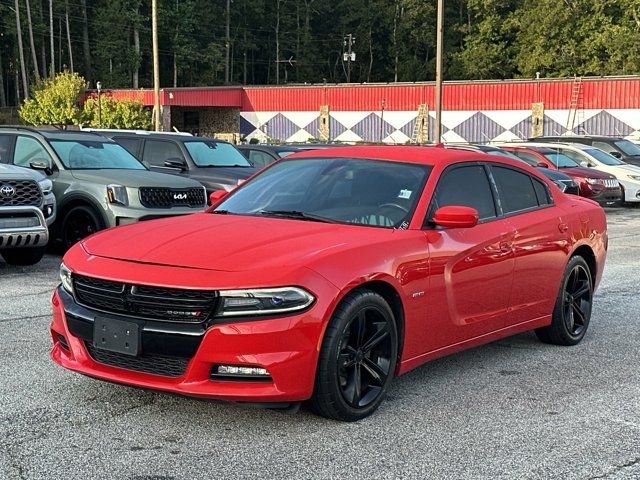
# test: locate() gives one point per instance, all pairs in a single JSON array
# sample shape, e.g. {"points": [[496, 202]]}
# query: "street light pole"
{"points": [[99, 88], [156, 66], [438, 126]]}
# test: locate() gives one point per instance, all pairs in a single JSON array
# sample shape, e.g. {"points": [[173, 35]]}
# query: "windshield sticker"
{"points": [[405, 194]]}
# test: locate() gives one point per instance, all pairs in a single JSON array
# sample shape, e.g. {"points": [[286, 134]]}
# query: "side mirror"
{"points": [[41, 164], [615, 154], [178, 163], [584, 164], [216, 196], [542, 165], [456, 217]]}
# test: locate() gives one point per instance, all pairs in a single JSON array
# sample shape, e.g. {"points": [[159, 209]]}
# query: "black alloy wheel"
{"points": [[572, 311], [80, 222], [358, 358]]}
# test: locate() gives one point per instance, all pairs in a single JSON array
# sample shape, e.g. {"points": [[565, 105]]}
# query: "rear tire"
{"points": [[78, 223], [23, 256], [572, 311], [357, 359]]}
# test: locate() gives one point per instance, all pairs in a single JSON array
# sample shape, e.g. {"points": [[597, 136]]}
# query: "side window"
{"points": [[467, 187], [5, 148], [156, 152], [131, 145], [260, 159], [542, 192], [516, 189], [528, 157], [576, 157], [28, 150], [605, 147]]}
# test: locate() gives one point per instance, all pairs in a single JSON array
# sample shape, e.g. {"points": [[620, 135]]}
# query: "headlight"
{"points": [[263, 301], [65, 278], [594, 181], [634, 177], [45, 185], [560, 185], [117, 194]]}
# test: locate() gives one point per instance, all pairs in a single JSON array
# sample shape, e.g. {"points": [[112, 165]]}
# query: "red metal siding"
{"points": [[611, 93]]}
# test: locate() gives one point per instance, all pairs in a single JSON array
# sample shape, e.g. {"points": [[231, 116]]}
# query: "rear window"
{"points": [[516, 189]]}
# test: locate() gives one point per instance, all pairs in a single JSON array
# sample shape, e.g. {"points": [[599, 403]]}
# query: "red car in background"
{"points": [[329, 273], [602, 187]]}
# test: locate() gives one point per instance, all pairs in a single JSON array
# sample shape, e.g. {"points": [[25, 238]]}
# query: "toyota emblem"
{"points": [[7, 191]]}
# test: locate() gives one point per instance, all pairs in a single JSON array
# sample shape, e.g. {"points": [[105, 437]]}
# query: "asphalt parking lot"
{"points": [[512, 409]]}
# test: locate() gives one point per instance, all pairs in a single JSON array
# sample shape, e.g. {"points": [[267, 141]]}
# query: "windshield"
{"points": [[341, 190], [209, 153], [504, 153], [628, 148], [560, 160], [603, 157], [89, 155]]}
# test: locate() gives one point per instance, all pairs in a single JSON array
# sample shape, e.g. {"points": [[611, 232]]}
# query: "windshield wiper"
{"points": [[297, 215], [222, 166], [221, 212]]}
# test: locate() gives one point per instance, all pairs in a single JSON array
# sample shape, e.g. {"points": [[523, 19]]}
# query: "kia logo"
{"points": [[7, 191], [179, 196]]}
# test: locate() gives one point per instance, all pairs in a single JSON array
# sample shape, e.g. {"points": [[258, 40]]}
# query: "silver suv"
{"points": [[27, 208], [97, 183]]}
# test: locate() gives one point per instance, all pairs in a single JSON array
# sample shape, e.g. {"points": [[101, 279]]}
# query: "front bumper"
{"points": [[287, 347], [121, 215], [606, 197], [22, 227]]}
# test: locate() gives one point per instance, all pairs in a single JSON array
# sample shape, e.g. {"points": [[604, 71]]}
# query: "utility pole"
{"points": [[156, 66], [227, 42], [66, 21], [438, 126], [51, 41], [349, 56], [25, 85]]}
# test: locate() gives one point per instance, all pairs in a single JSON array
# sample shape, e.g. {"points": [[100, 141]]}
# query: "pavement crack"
{"points": [[617, 468], [34, 317]]}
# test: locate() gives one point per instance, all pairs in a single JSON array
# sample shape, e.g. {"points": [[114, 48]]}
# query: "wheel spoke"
{"points": [[582, 290], [346, 360], [377, 337], [375, 371], [360, 328], [577, 312], [357, 385]]}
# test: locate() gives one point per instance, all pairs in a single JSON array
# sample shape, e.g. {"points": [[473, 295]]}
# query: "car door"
{"points": [[540, 242], [471, 268]]}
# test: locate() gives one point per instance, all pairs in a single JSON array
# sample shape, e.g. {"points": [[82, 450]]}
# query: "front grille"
{"points": [[611, 183], [162, 197], [18, 193], [164, 365], [156, 303]]}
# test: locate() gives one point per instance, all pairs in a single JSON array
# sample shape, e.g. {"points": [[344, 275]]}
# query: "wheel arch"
{"points": [[77, 201], [586, 252]]}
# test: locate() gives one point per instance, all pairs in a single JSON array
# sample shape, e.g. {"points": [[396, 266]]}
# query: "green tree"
{"points": [[55, 101], [129, 114]]}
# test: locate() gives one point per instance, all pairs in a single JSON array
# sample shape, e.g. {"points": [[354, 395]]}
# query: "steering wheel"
{"points": [[394, 205]]}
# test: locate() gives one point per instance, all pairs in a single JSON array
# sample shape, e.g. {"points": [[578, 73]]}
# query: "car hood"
{"points": [[230, 243], [586, 172], [12, 172], [133, 178], [629, 169]]}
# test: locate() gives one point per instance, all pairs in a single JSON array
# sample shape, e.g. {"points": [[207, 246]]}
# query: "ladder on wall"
{"points": [[421, 127], [576, 105]]}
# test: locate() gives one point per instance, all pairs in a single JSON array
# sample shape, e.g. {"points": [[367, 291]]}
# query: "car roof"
{"points": [[590, 137], [179, 137], [273, 148], [553, 145], [430, 155], [73, 135]]}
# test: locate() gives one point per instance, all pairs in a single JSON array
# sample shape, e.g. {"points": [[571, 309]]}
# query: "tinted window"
{"points": [[5, 148], [579, 157], [344, 190], [28, 150], [156, 152], [516, 189], [627, 147], [260, 159], [605, 147], [560, 160], [542, 192], [528, 157], [604, 157], [468, 187], [131, 145]]}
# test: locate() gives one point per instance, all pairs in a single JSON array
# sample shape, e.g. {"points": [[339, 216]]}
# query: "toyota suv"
{"points": [[97, 183], [27, 208]]}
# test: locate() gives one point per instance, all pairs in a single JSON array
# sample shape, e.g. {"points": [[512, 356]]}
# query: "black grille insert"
{"points": [[19, 193], [162, 197], [163, 365], [156, 303]]}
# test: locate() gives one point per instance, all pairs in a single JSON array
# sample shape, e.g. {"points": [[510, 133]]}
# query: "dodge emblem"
{"points": [[7, 191]]}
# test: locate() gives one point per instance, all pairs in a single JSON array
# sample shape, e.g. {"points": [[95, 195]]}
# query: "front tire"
{"points": [[23, 256], [572, 311], [357, 359], [78, 223]]}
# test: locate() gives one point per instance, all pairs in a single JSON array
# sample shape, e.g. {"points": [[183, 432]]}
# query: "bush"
{"points": [[129, 114], [55, 101]]}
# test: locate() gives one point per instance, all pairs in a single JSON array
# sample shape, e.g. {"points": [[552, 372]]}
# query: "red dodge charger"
{"points": [[329, 273]]}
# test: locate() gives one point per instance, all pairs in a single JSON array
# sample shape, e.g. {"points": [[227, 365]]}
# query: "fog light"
{"points": [[239, 373], [48, 211]]}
